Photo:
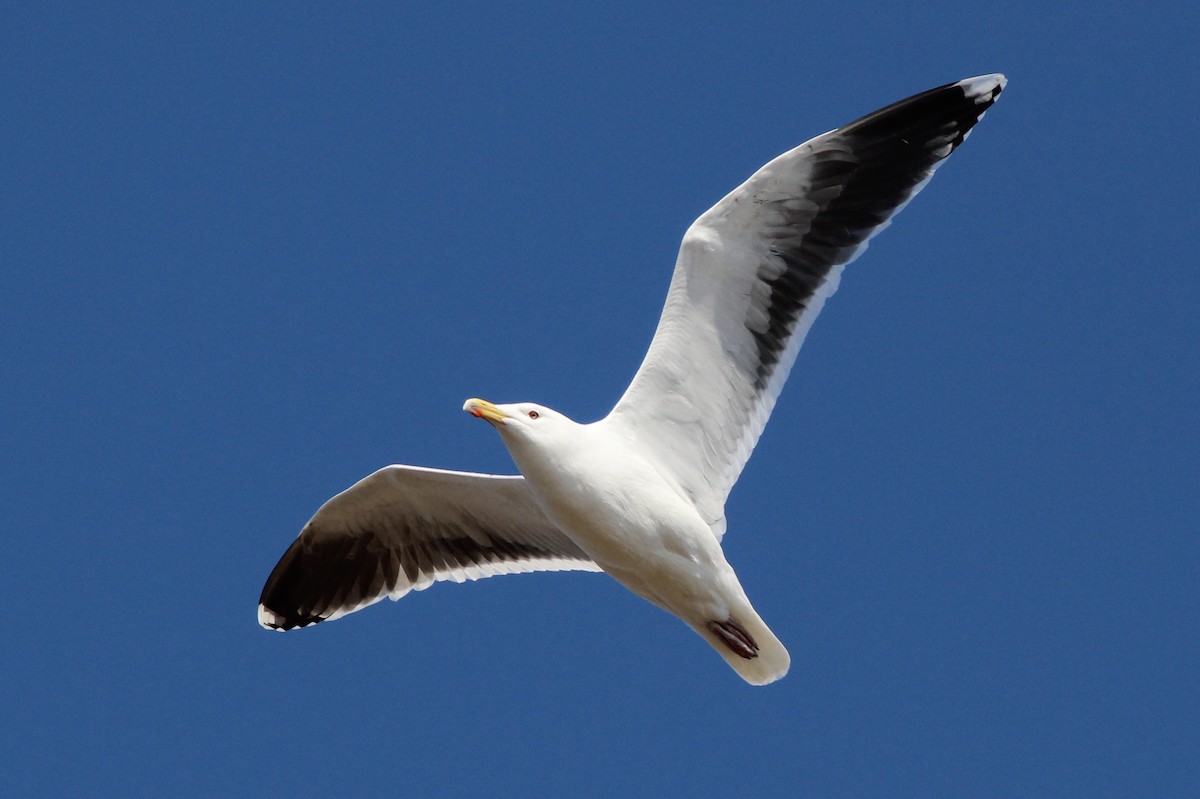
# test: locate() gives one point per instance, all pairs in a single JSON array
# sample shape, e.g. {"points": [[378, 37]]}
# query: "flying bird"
{"points": [[640, 494]]}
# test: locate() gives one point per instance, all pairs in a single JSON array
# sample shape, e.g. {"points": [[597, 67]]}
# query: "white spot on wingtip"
{"points": [[983, 89], [268, 620]]}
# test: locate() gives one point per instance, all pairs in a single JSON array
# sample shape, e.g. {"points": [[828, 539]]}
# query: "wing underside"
{"points": [[755, 270], [403, 528]]}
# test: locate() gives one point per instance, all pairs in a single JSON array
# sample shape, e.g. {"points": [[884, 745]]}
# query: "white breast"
{"points": [[616, 506]]}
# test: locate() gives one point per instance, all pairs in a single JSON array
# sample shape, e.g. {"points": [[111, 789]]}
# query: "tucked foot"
{"points": [[734, 636]]}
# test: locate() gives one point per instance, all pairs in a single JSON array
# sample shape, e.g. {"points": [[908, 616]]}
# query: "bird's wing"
{"points": [[403, 528], [754, 271]]}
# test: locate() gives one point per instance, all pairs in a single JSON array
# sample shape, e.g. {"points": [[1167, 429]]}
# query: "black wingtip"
{"points": [[284, 603], [963, 102], [282, 622]]}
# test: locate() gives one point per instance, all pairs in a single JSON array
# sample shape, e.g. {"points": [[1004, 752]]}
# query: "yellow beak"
{"points": [[482, 409]]}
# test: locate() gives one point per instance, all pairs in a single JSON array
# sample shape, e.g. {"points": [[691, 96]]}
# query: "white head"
{"points": [[525, 427]]}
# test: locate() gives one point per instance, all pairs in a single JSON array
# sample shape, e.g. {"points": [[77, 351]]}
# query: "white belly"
{"points": [[645, 532], [628, 519]]}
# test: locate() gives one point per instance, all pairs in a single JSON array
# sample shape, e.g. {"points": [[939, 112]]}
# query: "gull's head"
{"points": [[521, 422], [517, 416]]}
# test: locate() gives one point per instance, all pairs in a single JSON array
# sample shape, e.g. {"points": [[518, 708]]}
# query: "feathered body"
{"points": [[638, 525]]}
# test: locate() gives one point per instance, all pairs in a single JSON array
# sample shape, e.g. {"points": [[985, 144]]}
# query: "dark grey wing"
{"points": [[754, 271], [403, 528]]}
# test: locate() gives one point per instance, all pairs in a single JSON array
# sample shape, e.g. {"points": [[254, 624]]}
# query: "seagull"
{"points": [[640, 494]]}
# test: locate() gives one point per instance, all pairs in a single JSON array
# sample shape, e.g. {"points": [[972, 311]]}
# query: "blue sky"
{"points": [[250, 253]]}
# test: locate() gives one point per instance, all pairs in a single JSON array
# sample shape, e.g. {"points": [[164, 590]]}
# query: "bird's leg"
{"points": [[734, 636]]}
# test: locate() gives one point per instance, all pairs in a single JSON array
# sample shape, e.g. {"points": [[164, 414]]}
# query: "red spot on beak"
{"points": [[476, 413]]}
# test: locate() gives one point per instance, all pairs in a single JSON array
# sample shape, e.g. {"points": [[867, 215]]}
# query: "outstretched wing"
{"points": [[754, 271], [403, 528]]}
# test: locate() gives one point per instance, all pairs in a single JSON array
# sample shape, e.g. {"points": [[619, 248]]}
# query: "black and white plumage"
{"points": [[403, 528], [640, 494]]}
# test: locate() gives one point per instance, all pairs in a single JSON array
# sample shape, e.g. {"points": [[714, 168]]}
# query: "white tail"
{"points": [[768, 659]]}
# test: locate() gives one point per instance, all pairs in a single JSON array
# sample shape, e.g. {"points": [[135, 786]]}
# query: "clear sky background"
{"points": [[252, 252]]}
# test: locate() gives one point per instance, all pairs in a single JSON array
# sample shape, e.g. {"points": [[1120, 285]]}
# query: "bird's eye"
{"points": [[533, 414]]}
